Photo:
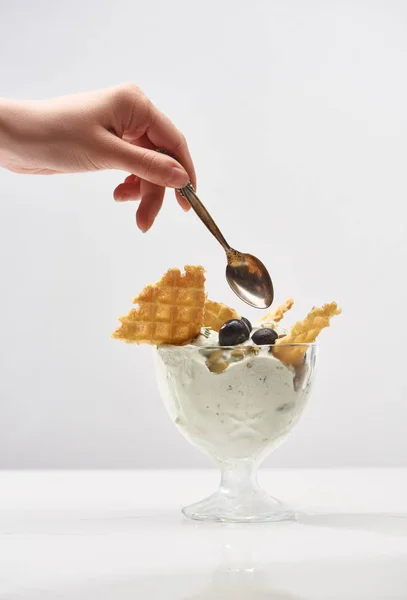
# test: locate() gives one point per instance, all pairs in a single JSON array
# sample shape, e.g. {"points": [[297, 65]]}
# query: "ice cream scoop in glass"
{"points": [[237, 404]]}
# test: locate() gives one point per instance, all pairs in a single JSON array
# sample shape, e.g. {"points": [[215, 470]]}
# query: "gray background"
{"points": [[296, 117]]}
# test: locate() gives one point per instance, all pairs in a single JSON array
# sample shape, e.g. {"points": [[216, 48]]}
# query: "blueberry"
{"points": [[247, 323], [233, 332], [264, 336]]}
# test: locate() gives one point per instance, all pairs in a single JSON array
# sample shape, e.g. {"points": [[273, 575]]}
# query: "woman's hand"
{"points": [[116, 128]]}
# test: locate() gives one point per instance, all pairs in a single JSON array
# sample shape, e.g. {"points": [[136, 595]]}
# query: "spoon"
{"points": [[246, 274]]}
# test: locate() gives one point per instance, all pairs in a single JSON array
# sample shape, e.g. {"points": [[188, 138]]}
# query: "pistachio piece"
{"points": [[252, 350], [237, 355], [215, 355], [217, 367]]}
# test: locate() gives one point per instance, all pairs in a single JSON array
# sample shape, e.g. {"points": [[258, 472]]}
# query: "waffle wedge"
{"points": [[304, 332], [216, 314], [278, 313], [168, 312]]}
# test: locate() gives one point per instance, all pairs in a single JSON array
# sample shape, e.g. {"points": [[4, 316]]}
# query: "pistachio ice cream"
{"points": [[233, 402]]}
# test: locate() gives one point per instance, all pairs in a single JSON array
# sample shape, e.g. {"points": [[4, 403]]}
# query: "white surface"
{"points": [[296, 117], [119, 535]]}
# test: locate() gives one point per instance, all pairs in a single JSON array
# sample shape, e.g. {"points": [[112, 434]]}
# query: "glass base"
{"points": [[251, 506]]}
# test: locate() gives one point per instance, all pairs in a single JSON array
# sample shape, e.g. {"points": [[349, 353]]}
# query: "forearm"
{"points": [[22, 126], [14, 129], [6, 129]]}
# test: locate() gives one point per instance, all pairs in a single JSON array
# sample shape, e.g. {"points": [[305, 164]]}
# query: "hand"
{"points": [[117, 128]]}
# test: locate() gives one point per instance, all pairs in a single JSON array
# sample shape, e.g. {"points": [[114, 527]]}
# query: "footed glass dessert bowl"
{"points": [[233, 390], [237, 404]]}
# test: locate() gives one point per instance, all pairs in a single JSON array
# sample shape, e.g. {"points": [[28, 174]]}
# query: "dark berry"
{"points": [[233, 332], [247, 323], [264, 336]]}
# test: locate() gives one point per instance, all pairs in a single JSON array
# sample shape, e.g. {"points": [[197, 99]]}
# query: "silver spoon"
{"points": [[246, 274]]}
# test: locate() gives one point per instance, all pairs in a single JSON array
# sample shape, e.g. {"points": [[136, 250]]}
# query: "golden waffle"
{"points": [[278, 313], [169, 312], [304, 332], [216, 314]]}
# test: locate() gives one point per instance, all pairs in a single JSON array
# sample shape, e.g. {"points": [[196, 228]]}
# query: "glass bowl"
{"points": [[237, 404]]}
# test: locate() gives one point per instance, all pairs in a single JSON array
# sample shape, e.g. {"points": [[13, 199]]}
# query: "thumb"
{"points": [[146, 164]]}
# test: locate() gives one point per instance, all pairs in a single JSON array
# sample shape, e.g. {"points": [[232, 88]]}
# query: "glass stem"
{"points": [[238, 478]]}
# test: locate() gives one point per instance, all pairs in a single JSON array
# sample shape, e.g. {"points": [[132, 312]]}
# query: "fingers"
{"points": [[151, 196], [163, 134], [145, 142], [134, 188], [135, 118], [129, 190], [183, 202], [146, 131], [130, 178], [145, 163], [150, 205]]}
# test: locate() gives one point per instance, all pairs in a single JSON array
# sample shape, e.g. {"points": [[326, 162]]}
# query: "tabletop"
{"points": [[120, 535]]}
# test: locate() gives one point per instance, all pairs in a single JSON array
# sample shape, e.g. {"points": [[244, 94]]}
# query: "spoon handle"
{"points": [[189, 193]]}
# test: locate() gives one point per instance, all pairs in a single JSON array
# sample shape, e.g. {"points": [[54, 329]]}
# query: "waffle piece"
{"points": [[278, 313], [304, 332], [216, 314], [169, 312]]}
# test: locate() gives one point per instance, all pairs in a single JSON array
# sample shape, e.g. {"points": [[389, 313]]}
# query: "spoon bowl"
{"points": [[249, 279]]}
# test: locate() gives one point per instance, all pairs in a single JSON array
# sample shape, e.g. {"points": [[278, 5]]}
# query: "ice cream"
{"points": [[234, 403], [233, 390]]}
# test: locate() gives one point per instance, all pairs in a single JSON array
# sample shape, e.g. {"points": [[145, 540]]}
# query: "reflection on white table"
{"points": [[119, 536]]}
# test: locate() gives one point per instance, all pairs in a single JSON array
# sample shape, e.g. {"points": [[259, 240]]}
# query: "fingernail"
{"points": [[122, 198], [177, 178]]}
